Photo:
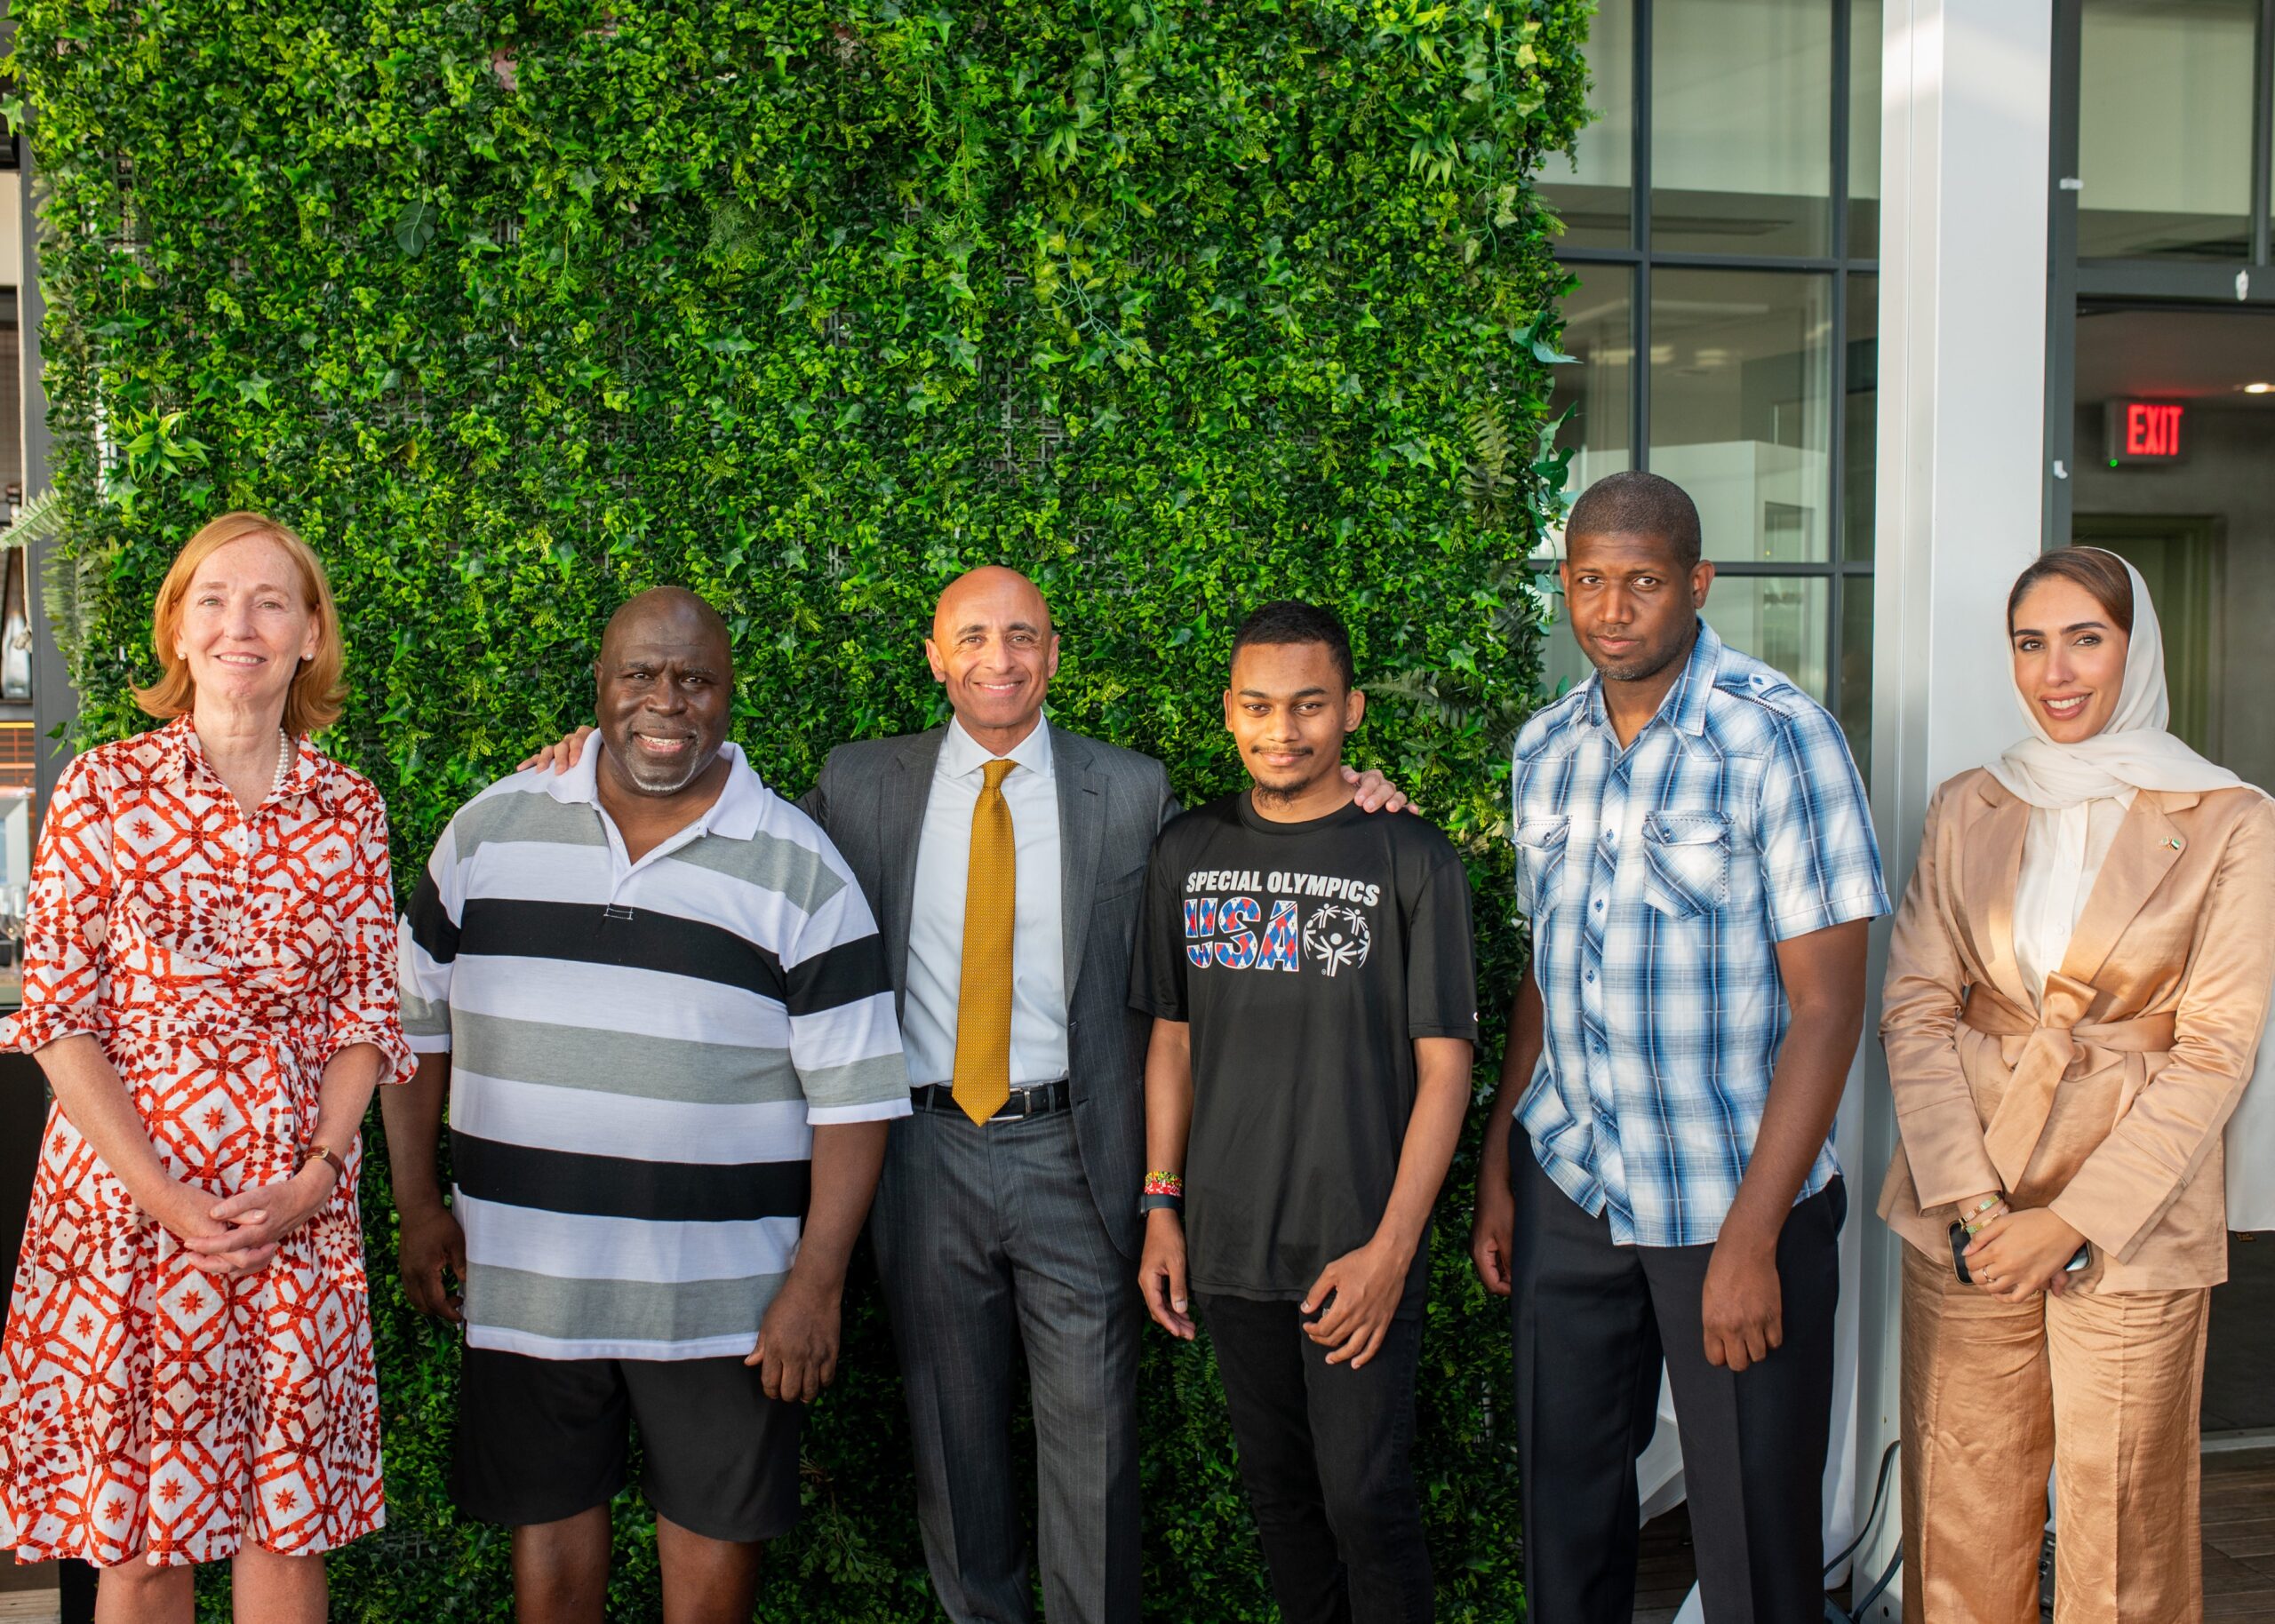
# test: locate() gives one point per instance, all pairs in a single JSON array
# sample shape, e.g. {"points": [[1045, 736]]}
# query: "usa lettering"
{"points": [[1224, 933]]}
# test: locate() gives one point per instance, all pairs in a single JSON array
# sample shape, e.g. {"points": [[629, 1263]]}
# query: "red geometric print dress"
{"points": [[147, 1410]]}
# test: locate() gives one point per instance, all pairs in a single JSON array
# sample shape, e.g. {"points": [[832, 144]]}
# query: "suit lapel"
{"points": [[907, 789], [1994, 870], [1081, 830], [2147, 846]]}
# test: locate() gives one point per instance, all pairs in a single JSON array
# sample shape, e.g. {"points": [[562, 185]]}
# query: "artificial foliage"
{"points": [[515, 309]]}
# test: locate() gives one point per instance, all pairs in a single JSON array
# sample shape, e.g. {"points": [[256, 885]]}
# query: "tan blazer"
{"points": [[2106, 1103]]}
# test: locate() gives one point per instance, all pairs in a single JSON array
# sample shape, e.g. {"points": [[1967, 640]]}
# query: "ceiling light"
{"points": [[2259, 388]]}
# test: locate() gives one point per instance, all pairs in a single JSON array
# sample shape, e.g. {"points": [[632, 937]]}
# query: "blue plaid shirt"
{"points": [[1743, 824]]}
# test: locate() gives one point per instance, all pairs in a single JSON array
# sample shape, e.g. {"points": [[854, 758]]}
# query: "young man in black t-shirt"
{"points": [[1310, 975]]}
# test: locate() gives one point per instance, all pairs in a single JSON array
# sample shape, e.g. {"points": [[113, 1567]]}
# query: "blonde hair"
{"points": [[314, 700]]}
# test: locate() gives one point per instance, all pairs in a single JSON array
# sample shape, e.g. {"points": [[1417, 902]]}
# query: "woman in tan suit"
{"points": [[2076, 988]]}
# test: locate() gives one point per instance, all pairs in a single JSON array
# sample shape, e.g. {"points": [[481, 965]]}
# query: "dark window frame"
{"points": [[1640, 257]]}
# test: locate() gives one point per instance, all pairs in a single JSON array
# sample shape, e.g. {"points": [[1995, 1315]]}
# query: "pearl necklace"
{"points": [[284, 760]]}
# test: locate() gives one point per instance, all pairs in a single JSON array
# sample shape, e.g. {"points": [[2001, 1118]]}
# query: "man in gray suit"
{"points": [[1005, 859]]}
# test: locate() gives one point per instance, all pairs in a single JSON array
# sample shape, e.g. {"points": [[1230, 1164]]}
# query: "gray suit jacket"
{"points": [[870, 801]]}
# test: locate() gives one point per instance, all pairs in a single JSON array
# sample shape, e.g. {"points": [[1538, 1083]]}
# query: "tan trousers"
{"points": [[2102, 1391]]}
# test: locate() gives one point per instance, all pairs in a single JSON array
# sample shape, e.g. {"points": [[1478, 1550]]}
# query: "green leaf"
{"points": [[415, 227]]}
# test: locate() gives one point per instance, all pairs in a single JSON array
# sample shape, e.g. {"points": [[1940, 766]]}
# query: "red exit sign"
{"points": [[2141, 431]]}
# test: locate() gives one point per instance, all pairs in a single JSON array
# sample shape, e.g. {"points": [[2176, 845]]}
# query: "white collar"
{"points": [[961, 754], [736, 814]]}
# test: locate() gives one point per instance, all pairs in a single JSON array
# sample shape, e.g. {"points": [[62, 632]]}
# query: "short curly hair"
{"points": [[1291, 620], [1638, 503]]}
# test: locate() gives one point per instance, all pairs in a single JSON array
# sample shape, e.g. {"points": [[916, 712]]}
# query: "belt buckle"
{"points": [[1023, 1102]]}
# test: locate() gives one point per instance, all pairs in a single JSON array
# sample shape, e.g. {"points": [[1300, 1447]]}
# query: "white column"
{"points": [[1965, 124]]}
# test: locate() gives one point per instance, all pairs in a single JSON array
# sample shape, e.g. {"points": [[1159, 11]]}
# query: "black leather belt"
{"points": [[1038, 1100]]}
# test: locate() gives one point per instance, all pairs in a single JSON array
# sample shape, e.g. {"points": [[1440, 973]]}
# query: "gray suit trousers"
{"points": [[988, 1241]]}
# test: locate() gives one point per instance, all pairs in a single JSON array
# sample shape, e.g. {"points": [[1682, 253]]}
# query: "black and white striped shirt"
{"points": [[640, 1053]]}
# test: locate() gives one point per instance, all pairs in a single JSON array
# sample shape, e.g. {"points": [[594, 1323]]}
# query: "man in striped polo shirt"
{"points": [[660, 1005]]}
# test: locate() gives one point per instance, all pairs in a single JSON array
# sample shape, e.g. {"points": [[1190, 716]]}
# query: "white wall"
{"points": [[1962, 370]]}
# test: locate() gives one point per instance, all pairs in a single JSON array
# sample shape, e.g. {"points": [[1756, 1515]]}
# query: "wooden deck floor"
{"points": [[2239, 1546], [2239, 1536]]}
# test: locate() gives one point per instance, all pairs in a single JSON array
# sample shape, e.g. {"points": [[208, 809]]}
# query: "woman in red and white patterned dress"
{"points": [[210, 988]]}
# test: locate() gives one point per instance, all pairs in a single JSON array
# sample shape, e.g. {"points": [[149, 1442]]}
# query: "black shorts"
{"points": [[544, 1439]]}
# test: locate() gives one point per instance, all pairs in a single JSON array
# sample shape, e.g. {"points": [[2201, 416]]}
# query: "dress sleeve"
{"points": [[68, 914], [1919, 1005], [364, 1005]]}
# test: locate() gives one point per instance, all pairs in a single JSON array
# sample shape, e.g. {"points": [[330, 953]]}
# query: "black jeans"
{"points": [[1592, 1321], [1325, 1457]]}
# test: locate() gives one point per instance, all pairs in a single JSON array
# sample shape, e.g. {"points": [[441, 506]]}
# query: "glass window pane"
{"points": [[1864, 129], [1860, 418], [1594, 192], [1742, 126], [1779, 619], [1740, 411], [2164, 128], [1856, 669], [1596, 388]]}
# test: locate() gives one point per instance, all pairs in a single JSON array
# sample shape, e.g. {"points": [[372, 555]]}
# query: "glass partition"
{"points": [[2164, 128], [1593, 191], [1740, 414], [1742, 127]]}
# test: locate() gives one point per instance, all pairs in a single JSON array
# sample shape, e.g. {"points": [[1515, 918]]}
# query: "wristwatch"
{"points": [[316, 1152]]}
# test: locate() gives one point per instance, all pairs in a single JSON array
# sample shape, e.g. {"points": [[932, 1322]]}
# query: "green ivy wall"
{"points": [[514, 309]]}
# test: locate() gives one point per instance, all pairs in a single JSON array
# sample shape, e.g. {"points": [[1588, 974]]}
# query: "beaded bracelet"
{"points": [[1162, 1189]]}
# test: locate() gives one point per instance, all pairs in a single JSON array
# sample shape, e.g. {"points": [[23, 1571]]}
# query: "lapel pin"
{"points": [[2174, 842]]}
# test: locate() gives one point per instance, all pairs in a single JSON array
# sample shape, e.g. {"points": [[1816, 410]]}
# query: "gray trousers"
{"points": [[989, 1242]]}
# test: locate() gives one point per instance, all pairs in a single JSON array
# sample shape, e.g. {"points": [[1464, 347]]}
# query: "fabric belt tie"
{"points": [[2053, 1037], [982, 1073]]}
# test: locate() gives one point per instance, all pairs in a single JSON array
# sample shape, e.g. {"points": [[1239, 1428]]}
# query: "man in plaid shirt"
{"points": [[1696, 856]]}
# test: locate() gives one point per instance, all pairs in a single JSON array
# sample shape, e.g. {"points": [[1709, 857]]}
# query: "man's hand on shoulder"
{"points": [[1375, 792], [561, 755], [797, 1340]]}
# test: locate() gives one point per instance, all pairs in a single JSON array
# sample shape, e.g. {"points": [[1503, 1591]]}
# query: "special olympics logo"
{"points": [[1339, 936]]}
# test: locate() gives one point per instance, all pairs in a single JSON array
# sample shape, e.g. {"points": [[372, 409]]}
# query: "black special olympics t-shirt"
{"points": [[1308, 957]]}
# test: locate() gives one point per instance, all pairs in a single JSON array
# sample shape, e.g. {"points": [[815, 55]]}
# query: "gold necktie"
{"points": [[982, 1081]]}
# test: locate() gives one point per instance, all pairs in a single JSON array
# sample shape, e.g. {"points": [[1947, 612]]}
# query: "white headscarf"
{"points": [[2133, 751]]}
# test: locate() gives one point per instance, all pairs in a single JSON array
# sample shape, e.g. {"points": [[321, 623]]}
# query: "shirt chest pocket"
{"points": [[1687, 863], [1540, 862]]}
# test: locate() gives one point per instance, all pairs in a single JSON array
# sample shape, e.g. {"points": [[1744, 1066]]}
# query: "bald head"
{"points": [[668, 614], [974, 594], [993, 650]]}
